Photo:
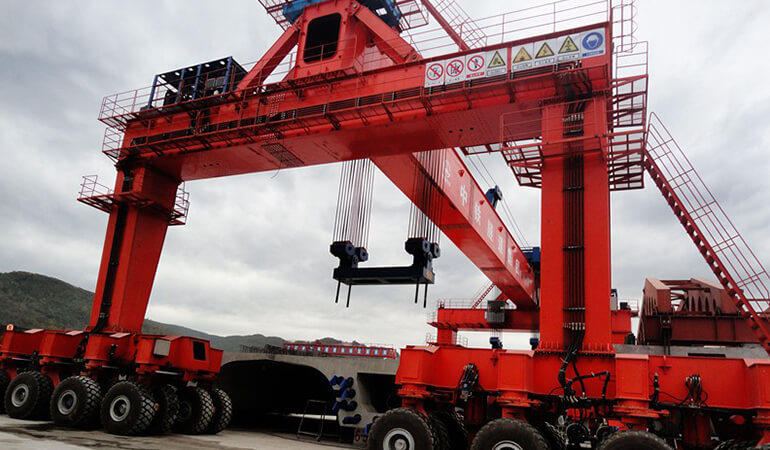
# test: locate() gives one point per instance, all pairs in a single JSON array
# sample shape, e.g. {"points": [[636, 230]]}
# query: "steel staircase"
{"points": [[724, 249], [460, 22], [483, 295]]}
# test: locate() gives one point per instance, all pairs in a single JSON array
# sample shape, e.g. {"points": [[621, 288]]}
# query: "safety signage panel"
{"points": [[475, 66], [568, 49], [469, 67], [497, 62], [434, 74], [545, 55], [522, 57], [593, 43], [571, 47], [455, 70]]}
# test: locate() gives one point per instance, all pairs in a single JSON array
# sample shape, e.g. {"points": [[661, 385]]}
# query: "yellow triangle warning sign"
{"points": [[497, 61], [522, 56], [568, 46], [545, 51]]}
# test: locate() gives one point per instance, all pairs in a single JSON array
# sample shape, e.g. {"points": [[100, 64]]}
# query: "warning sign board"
{"points": [[475, 66], [455, 70], [545, 52], [593, 43], [568, 47], [497, 63], [434, 74], [522, 57]]}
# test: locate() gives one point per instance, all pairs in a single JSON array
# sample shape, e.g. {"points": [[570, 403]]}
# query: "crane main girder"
{"points": [[377, 113]]}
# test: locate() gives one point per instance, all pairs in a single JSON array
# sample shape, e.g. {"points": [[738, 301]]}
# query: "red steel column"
{"points": [[598, 271], [552, 275], [132, 248], [575, 276]]}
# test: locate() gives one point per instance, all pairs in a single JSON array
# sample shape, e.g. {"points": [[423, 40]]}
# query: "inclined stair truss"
{"points": [[457, 23], [483, 295], [722, 246]]}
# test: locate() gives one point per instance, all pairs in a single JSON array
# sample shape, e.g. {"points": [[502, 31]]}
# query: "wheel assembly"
{"points": [[509, 434], [5, 380], [402, 429], [28, 396], [196, 409], [441, 432], [127, 409], [634, 440], [168, 408], [223, 412], [458, 436], [75, 403]]}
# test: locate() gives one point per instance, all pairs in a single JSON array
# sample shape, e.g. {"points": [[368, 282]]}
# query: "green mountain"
{"points": [[30, 300]]}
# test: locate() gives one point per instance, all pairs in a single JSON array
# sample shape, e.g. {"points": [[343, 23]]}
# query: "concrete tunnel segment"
{"points": [[264, 383]]}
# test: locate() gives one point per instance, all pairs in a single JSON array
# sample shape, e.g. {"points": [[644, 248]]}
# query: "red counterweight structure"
{"points": [[560, 93]]}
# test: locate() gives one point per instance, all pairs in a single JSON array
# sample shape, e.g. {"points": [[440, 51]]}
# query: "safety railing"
{"points": [[623, 25], [103, 198], [623, 150], [95, 194], [458, 20], [112, 143], [413, 14], [181, 206], [90, 187], [431, 339], [629, 87]]}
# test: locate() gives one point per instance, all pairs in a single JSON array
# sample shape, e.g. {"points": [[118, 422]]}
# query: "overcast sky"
{"points": [[254, 255]]}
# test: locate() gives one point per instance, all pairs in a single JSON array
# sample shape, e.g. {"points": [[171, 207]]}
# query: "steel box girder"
{"points": [[467, 117]]}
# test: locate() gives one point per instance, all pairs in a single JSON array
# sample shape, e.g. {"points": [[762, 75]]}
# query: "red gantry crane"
{"points": [[560, 92]]}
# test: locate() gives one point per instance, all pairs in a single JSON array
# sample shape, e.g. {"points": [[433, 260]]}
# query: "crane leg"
{"points": [[135, 235]]}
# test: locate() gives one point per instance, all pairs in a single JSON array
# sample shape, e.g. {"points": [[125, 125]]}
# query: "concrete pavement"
{"points": [[26, 435]]}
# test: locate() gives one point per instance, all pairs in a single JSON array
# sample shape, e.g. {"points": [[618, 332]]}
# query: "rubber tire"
{"points": [[521, 433], [40, 390], [201, 411], [408, 419], [634, 440], [168, 407], [223, 412], [85, 414], [734, 444], [142, 409], [441, 431], [5, 380], [458, 435]]}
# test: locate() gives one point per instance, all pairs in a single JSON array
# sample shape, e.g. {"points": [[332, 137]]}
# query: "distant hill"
{"points": [[227, 343], [35, 301], [32, 300]]}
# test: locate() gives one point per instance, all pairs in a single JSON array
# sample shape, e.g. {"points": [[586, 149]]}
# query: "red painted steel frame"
{"points": [[352, 106], [516, 375], [686, 312]]}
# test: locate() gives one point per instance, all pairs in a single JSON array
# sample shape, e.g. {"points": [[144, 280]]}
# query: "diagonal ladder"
{"points": [[457, 23], [722, 246]]}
